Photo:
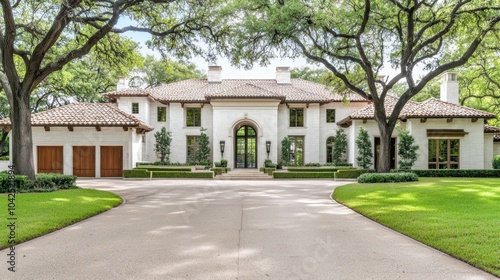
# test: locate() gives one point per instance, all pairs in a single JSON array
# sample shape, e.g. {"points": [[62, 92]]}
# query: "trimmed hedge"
{"points": [[478, 173], [163, 168], [42, 183], [303, 175], [496, 162], [311, 169], [160, 163], [349, 173], [387, 177], [180, 174], [338, 164], [136, 173], [4, 158]]}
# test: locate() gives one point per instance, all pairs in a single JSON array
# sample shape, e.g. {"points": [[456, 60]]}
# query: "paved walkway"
{"points": [[230, 230]]}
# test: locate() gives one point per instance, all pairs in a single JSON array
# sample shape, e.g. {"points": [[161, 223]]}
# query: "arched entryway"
{"points": [[245, 147]]}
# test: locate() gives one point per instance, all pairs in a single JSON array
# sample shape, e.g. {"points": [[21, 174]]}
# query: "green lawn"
{"points": [[458, 216], [40, 213]]}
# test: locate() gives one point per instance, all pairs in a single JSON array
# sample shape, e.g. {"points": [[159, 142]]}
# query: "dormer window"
{"points": [[135, 108]]}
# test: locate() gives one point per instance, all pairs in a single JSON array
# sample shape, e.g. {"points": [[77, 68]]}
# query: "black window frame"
{"points": [[196, 119], [328, 112], [135, 108], [161, 117], [295, 121]]}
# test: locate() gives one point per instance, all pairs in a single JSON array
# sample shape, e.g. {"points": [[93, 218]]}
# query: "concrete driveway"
{"points": [[230, 230]]}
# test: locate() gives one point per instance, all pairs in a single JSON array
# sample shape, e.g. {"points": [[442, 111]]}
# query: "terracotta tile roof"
{"points": [[200, 90], [435, 108], [84, 114], [128, 92], [431, 108], [491, 129]]}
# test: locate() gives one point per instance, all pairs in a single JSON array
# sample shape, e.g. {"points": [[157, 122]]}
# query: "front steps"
{"points": [[244, 174]]}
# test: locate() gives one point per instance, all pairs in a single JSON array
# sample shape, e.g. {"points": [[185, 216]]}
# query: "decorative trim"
{"points": [[125, 128], [474, 119], [98, 128], [47, 128], [449, 120], [70, 128], [446, 133], [422, 120]]}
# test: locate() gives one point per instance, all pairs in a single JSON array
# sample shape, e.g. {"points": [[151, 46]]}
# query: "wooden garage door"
{"points": [[111, 161], [50, 159], [84, 161]]}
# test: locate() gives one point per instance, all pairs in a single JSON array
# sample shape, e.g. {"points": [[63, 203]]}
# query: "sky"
{"points": [[229, 71]]}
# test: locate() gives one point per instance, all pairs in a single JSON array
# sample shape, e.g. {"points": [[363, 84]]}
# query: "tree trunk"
{"points": [[384, 158], [2, 142], [22, 139]]}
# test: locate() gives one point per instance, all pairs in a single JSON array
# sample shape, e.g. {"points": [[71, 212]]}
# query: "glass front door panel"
{"points": [[251, 153], [240, 152], [246, 148]]}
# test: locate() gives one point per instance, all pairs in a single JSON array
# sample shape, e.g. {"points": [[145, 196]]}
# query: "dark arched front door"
{"points": [[246, 147]]}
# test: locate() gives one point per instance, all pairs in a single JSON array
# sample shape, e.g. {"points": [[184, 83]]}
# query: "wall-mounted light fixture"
{"points": [[268, 148], [222, 146]]}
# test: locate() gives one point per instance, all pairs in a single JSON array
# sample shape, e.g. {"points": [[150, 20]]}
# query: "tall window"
{"points": [[193, 117], [444, 153], [330, 115], [192, 146], [329, 149], [296, 117], [162, 114], [135, 108], [296, 150]]}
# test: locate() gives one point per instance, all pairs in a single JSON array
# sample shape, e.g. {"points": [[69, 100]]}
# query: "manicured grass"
{"points": [[458, 216], [40, 213]]}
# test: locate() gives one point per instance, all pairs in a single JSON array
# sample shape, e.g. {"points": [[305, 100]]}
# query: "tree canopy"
{"points": [[356, 39], [39, 38]]}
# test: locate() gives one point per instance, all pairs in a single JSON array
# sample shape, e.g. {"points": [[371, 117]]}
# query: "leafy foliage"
{"points": [[355, 40], [340, 148], [496, 162], [162, 144], [477, 173], [387, 177], [285, 151], [156, 72], [407, 149], [203, 152], [365, 153]]}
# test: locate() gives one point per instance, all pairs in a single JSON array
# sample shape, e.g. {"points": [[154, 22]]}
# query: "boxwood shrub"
{"points": [[164, 168], [303, 175], [496, 162], [180, 174], [349, 173], [311, 169], [4, 158], [478, 173], [42, 183], [136, 173], [387, 177]]}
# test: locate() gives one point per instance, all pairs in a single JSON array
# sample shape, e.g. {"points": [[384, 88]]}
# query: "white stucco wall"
{"points": [[125, 104], [488, 150], [86, 136], [471, 145], [262, 114], [496, 148], [329, 129]]}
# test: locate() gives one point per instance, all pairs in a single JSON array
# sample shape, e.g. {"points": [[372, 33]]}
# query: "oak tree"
{"points": [[356, 39], [39, 38]]}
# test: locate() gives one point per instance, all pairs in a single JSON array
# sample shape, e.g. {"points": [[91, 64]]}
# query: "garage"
{"points": [[84, 161], [50, 159], [111, 161]]}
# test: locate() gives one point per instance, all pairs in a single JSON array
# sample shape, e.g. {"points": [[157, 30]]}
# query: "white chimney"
{"points": [[449, 87], [283, 75], [214, 74], [122, 83]]}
